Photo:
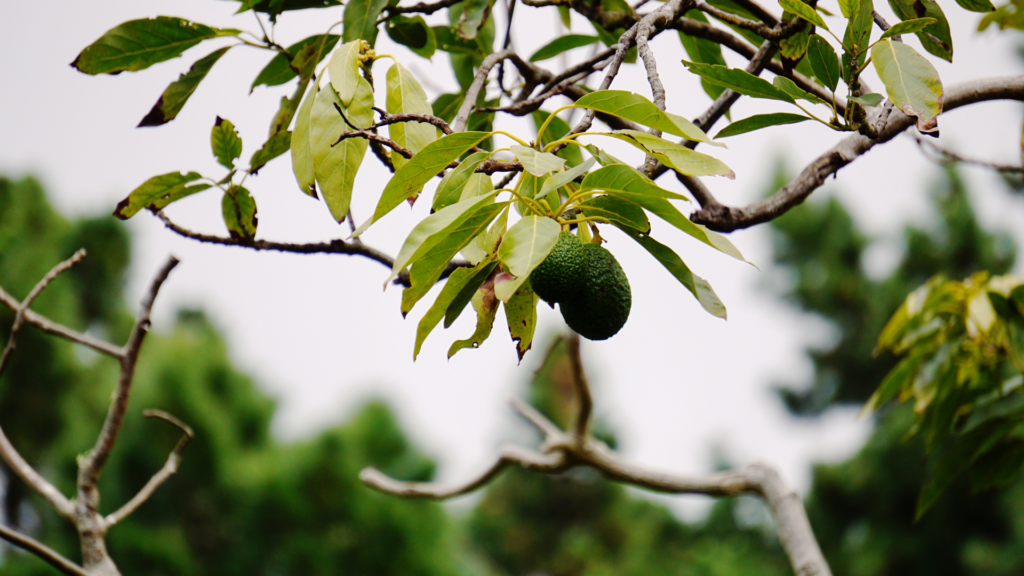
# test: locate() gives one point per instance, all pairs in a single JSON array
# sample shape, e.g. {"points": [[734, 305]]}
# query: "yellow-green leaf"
{"points": [[524, 246], [911, 81], [335, 165], [302, 153], [406, 96]]}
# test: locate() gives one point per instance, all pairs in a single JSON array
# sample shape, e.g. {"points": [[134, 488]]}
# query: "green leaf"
{"points": [[557, 129], [804, 11], [562, 44], [521, 316], [286, 110], [164, 189], [446, 106], [936, 38], [413, 33], [170, 103], [405, 95], [427, 268], [900, 377], [824, 62], [760, 121], [275, 7], [623, 181], [618, 211], [430, 231], [462, 279], [302, 153], [410, 179], [138, 44], [455, 44], [676, 156], [703, 51], [473, 15], [335, 165], [603, 157], [911, 81], [982, 6], [697, 286], [281, 67], [537, 163], [361, 20], [275, 146], [226, 145], [344, 70], [486, 306], [524, 246], [798, 93], [450, 189], [795, 47], [559, 179], [465, 296], [239, 211], [868, 99], [738, 80], [636, 108], [908, 27]]}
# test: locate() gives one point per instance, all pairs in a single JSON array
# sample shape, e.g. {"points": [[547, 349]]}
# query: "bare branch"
{"points": [[768, 32], [44, 552], [883, 25], [386, 119], [352, 248], [168, 470], [373, 137], [538, 420], [51, 327], [508, 455], [418, 8], [947, 157], [92, 464], [726, 219], [474, 89]]}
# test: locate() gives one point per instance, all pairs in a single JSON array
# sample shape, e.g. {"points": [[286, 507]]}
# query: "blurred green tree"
{"points": [[241, 504]]}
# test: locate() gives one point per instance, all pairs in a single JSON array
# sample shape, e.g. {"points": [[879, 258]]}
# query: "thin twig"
{"points": [[169, 468], [462, 117], [43, 551], [584, 399], [947, 157], [51, 327], [884, 26]]}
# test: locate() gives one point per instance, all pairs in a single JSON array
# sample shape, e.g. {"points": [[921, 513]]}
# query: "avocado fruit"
{"points": [[600, 309], [560, 276]]}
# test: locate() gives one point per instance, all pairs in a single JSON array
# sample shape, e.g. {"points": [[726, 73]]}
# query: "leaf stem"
{"points": [[547, 121]]}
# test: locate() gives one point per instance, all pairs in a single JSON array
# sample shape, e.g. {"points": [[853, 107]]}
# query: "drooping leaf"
{"points": [[170, 103], [486, 306], [562, 44], [414, 174], [676, 156], [460, 280], [138, 44], [983, 6], [280, 69], [636, 108], [430, 231], [474, 13], [164, 188], [911, 81], [738, 80], [759, 121], [524, 246], [477, 249], [225, 143], [428, 268], [908, 27], [703, 51], [804, 11], [936, 38], [275, 146], [344, 70], [857, 37], [413, 33], [795, 46], [618, 211], [450, 189], [521, 315], [302, 152], [335, 165], [239, 211], [624, 182], [697, 286], [361, 20], [406, 96], [287, 109], [824, 62], [536, 163], [465, 295]]}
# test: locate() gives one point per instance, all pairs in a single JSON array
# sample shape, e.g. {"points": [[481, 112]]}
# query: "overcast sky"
{"points": [[317, 333]]}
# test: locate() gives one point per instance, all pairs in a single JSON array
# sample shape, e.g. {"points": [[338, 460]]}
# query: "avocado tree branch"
{"points": [[44, 552]]}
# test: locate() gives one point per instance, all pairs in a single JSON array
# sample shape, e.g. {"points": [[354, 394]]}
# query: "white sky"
{"points": [[318, 334]]}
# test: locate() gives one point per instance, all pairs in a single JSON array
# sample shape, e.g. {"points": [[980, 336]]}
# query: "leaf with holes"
{"points": [[226, 145], [239, 211]]}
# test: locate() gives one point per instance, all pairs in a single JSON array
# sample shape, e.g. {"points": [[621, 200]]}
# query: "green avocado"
{"points": [[601, 308], [560, 276]]}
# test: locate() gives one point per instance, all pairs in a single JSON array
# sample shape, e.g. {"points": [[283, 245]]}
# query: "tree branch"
{"points": [[51, 327], [947, 157], [44, 552], [168, 470], [726, 219]]}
